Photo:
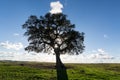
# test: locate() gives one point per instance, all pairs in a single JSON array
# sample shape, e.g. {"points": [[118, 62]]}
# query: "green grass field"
{"points": [[46, 71]]}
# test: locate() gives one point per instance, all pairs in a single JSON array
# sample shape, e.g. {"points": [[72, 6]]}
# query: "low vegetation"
{"points": [[10, 70]]}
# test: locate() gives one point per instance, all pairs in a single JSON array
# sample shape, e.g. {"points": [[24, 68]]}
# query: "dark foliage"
{"points": [[53, 31]]}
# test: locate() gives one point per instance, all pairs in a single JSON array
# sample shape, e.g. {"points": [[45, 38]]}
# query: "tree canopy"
{"points": [[51, 32]]}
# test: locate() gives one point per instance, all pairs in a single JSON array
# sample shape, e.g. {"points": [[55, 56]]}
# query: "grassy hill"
{"points": [[10, 70]]}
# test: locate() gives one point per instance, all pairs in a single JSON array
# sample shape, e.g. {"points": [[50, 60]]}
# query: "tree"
{"points": [[53, 32]]}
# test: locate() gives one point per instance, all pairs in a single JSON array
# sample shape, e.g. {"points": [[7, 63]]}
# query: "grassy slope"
{"points": [[46, 71]]}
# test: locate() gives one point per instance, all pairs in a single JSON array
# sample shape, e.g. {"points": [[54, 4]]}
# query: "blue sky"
{"points": [[98, 19]]}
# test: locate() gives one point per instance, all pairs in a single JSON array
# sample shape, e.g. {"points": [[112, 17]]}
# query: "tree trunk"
{"points": [[61, 69]]}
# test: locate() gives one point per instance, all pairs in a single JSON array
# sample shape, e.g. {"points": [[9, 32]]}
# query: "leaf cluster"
{"points": [[53, 31]]}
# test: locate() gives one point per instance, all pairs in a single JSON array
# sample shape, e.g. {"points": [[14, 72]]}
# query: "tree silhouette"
{"points": [[53, 32]]}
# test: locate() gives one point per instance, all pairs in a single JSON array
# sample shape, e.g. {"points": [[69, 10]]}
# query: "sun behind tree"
{"points": [[53, 32]]}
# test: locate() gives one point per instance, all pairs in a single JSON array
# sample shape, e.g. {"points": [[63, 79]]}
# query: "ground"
{"points": [[13, 70]]}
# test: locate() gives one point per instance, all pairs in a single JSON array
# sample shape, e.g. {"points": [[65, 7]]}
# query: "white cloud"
{"points": [[9, 45], [100, 54], [56, 7], [42, 57], [96, 56], [6, 55], [16, 34], [105, 36], [101, 50]]}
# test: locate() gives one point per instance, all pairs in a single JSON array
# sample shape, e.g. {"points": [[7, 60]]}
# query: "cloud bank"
{"points": [[9, 45], [56, 7], [96, 57]]}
